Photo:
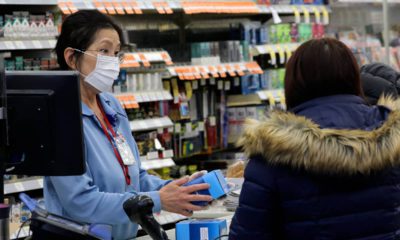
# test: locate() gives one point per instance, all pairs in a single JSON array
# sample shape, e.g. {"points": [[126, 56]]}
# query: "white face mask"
{"points": [[106, 71]]}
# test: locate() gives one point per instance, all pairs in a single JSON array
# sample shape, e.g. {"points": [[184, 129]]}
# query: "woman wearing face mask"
{"points": [[90, 43]]}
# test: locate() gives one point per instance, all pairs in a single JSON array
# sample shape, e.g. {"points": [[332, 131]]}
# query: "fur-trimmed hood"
{"points": [[291, 140]]}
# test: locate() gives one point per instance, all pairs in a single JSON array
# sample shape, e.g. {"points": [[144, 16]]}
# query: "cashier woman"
{"points": [[90, 44]]}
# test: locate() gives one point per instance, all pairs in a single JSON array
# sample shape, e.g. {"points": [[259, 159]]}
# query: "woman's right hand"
{"points": [[177, 198]]}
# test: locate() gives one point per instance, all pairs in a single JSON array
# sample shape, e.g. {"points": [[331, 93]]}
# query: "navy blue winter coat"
{"points": [[325, 170]]}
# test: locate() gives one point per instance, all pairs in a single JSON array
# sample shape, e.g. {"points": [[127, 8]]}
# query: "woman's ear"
{"points": [[69, 58]]}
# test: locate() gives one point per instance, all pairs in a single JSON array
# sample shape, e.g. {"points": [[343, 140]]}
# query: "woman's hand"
{"points": [[177, 198]]}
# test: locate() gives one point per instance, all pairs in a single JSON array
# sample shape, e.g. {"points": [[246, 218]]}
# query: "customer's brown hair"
{"points": [[321, 67]]}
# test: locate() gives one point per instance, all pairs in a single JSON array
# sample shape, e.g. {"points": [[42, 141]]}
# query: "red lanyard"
{"points": [[116, 152]]}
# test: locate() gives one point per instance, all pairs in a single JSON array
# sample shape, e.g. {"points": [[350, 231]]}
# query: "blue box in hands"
{"points": [[217, 182]]}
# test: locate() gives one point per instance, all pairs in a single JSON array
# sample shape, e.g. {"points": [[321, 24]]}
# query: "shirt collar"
{"points": [[108, 110]]}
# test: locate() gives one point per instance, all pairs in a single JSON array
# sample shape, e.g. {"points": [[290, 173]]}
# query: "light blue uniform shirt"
{"points": [[98, 195]]}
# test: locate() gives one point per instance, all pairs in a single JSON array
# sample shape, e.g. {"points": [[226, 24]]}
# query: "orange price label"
{"points": [[136, 7], [129, 61], [118, 7], [127, 7], [144, 60], [195, 73], [166, 58], [204, 73], [100, 7], [213, 71], [64, 8], [71, 7], [221, 71], [167, 9], [159, 7], [230, 70], [109, 7], [238, 70]]}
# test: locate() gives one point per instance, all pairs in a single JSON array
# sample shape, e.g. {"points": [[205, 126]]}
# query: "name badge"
{"points": [[124, 150]]}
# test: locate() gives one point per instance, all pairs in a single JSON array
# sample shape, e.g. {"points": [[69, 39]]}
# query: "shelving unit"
{"points": [[186, 7], [28, 2], [23, 185], [149, 124], [157, 163], [27, 44]]}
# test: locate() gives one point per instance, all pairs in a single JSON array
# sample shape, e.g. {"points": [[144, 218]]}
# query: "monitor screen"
{"points": [[44, 123]]}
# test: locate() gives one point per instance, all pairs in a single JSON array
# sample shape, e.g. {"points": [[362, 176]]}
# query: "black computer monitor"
{"points": [[44, 123]]}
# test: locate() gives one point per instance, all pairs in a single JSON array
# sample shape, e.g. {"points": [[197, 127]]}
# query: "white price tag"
{"points": [[236, 81], [168, 153], [141, 125], [157, 123], [145, 97], [152, 96], [159, 96], [220, 85], [152, 155], [201, 126], [9, 45], [40, 183], [195, 84], [212, 81], [37, 44], [261, 95], [20, 45], [19, 186], [188, 127], [138, 97], [213, 121], [203, 82], [227, 85], [166, 95], [177, 127]]}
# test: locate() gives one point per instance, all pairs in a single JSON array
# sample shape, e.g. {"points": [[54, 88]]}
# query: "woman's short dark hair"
{"points": [[321, 67], [79, 30]]}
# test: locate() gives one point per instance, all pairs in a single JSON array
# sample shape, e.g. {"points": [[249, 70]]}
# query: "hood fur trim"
{"points": [[295, 141]]}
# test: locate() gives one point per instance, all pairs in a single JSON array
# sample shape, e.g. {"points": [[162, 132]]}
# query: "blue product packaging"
{"points": [[217, 182], [297, 2], [206, 229]]}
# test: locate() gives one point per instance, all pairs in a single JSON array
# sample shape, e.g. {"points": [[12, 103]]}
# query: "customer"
{"points": [[90, 44], [378, 79], [327, 168]]}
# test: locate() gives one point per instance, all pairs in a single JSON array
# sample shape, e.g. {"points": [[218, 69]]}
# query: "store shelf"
{"points": [[27, 44], [127, 100], [157, 163], [145, 59], [150, 124], [243, 100], [287, 48], [193, 72], [152, 96], [274, 95], [291, 9], [28, 2], [364, 1], [23, 185], [187, 7]]}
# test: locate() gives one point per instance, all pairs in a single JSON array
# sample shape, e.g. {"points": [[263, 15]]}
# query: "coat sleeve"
{"points": [[256, 217]]}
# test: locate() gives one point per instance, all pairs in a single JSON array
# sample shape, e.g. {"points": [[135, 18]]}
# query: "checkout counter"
{"points": [[217, 210]]}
